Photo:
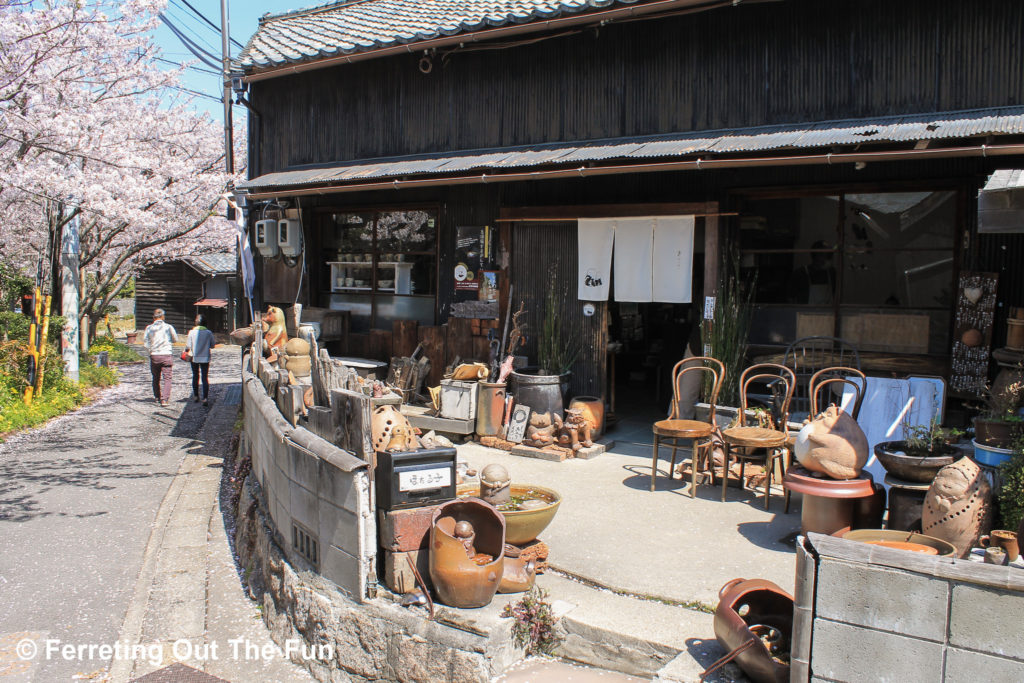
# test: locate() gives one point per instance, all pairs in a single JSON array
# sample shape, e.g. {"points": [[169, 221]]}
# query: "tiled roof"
{"points": [[353, 26], [213, 264], [822, 134]]}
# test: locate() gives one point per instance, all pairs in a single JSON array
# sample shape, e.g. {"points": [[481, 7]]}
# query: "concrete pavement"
{"points": [[111, 532]]}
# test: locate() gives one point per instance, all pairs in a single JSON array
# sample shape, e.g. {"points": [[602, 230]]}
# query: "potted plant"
{"points": [[924, 450], [998, 423], [1011, 492], [543, 387]]}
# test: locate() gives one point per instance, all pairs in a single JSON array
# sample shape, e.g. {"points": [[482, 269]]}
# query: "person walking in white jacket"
{"points": [[198, 344], [158, 339]]}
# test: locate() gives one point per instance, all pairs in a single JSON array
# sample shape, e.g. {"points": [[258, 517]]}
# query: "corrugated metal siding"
{"points": [[539, 249], [751, 65], [174, 287]]}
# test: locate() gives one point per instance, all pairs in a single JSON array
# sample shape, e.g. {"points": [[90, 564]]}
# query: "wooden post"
{"points": [[41, 362], [33, 347]]}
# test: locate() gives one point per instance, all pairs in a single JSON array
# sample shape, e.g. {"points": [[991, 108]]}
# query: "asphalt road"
{"points": [[78, 499]]}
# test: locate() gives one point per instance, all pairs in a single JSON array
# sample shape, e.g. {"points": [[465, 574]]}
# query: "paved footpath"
{"points": [[112, 532]]}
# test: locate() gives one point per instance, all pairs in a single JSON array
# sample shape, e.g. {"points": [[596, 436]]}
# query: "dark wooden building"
{"points": [[184, 288], [836, 150]]}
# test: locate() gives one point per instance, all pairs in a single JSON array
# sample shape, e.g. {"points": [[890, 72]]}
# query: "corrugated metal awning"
{"points": [[760, 140], [212, 303]]}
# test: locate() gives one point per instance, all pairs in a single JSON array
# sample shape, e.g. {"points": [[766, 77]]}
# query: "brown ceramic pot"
{"points": [[593, 412], [958, 505], [744, 603], [458, 577], [1002, 538]]}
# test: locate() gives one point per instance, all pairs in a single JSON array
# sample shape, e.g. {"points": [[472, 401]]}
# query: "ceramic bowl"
{"points": [[523, 526]]}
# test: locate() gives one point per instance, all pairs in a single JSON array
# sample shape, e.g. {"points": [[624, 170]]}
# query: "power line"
{"points": [[187, 23], [210, 23], [202, 55], [191, 66]]}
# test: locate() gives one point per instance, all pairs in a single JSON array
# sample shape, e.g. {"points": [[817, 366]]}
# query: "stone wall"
{"points": [[376, 640], [870, 613], [317, 495]]}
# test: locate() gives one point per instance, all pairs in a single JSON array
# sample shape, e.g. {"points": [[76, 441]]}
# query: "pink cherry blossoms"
{"points": [[90, 127]]}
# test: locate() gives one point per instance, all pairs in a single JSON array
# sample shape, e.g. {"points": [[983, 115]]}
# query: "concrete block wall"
{"points": [[888, 615], [311, 485]]}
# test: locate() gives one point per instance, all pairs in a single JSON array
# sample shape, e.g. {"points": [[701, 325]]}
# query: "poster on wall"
{"points": [[476, 281]]}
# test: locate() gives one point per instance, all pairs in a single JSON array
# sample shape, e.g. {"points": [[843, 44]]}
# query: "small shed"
{"points": [[186, 287]]}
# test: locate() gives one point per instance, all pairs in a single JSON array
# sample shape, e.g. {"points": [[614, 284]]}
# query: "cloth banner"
{"points": [[596, 238], [673, 259], [634, 244]]}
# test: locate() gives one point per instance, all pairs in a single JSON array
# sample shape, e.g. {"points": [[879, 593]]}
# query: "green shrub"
{"points": [[117, 352], [1011, 493], [90, 376], [15, 326]]}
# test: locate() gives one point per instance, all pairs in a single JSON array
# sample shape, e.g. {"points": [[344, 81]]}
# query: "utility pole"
{"points": [[225, 37], [69, 251]]}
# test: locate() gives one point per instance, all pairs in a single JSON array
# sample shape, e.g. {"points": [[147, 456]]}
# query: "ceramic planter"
{"points": [[892, 539], [761, 604], [542, 393], [523, 526], [991, 455], [998, 433], [463, 580], [910, 467]]}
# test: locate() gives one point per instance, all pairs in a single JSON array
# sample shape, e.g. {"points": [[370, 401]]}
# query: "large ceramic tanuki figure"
{"points": [[832, 444], [958, 505]]}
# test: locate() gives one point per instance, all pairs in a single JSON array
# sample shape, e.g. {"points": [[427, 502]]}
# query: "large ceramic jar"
{"points": [[543, 393], [460, 579]]}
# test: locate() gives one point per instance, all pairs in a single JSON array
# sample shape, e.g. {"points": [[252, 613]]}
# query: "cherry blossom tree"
{"points": [[91, 129]]}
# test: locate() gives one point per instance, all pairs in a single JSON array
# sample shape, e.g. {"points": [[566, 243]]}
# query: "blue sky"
{"points": [[242, 20]]}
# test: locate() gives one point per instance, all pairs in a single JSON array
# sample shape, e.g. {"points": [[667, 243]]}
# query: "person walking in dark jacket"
{"points": [[158, 339], [198, 344]]}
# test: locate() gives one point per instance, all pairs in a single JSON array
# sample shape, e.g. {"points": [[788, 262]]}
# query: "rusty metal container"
{"points": [[746, 603], [490, 408], [459, 579]]}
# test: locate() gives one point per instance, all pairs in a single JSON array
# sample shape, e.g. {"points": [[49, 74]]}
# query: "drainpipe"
{"points": [[828, 159]]}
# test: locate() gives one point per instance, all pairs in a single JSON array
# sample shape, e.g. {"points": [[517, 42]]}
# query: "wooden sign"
{"points": [[517, 423], [972, 332]]}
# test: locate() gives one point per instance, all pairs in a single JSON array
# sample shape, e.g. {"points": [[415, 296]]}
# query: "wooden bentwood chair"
{"points": [[742, 438], [837, 375], [673, 429]]}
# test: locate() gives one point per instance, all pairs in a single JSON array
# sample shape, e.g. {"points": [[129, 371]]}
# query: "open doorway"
{"points": [[646, 341]]}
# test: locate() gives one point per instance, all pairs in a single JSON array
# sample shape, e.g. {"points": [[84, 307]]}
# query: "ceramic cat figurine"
{"points": [[832, 444]]}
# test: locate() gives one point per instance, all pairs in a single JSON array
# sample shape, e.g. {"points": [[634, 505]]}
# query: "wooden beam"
{"points": [[571, 213]]}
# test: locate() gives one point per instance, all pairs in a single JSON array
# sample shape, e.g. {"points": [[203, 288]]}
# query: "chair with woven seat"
{"points": [[742, 441], [835, 376], [808, 355], [674, 430]]}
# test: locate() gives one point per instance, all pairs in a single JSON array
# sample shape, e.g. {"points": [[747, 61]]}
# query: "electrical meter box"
{"points": [[266, 237], [289, 237]]}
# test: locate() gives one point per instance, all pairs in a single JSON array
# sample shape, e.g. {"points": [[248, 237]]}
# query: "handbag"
{"points": [[186, 356]]}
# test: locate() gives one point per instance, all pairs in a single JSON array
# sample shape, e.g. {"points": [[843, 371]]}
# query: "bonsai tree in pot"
{"points": [[924, 450], [999, 423]]}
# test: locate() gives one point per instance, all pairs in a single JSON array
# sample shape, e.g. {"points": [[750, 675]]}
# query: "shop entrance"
{"points": [[626, 351]]}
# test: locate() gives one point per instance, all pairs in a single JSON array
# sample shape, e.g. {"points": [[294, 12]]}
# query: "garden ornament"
{"points": [[383, 424], [576, 430], [495, 485], [542, 430], [832, 444], [275, 334], [958, 505], [462, 581]]}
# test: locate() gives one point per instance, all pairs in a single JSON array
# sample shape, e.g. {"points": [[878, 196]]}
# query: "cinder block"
{"points": [[974, 666], [303, 467], [405, 530], [342, 568], [852, 653], [337, 486], [398, 575], [304, 508], [987, 619], [881, 598], [338, 527]]}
